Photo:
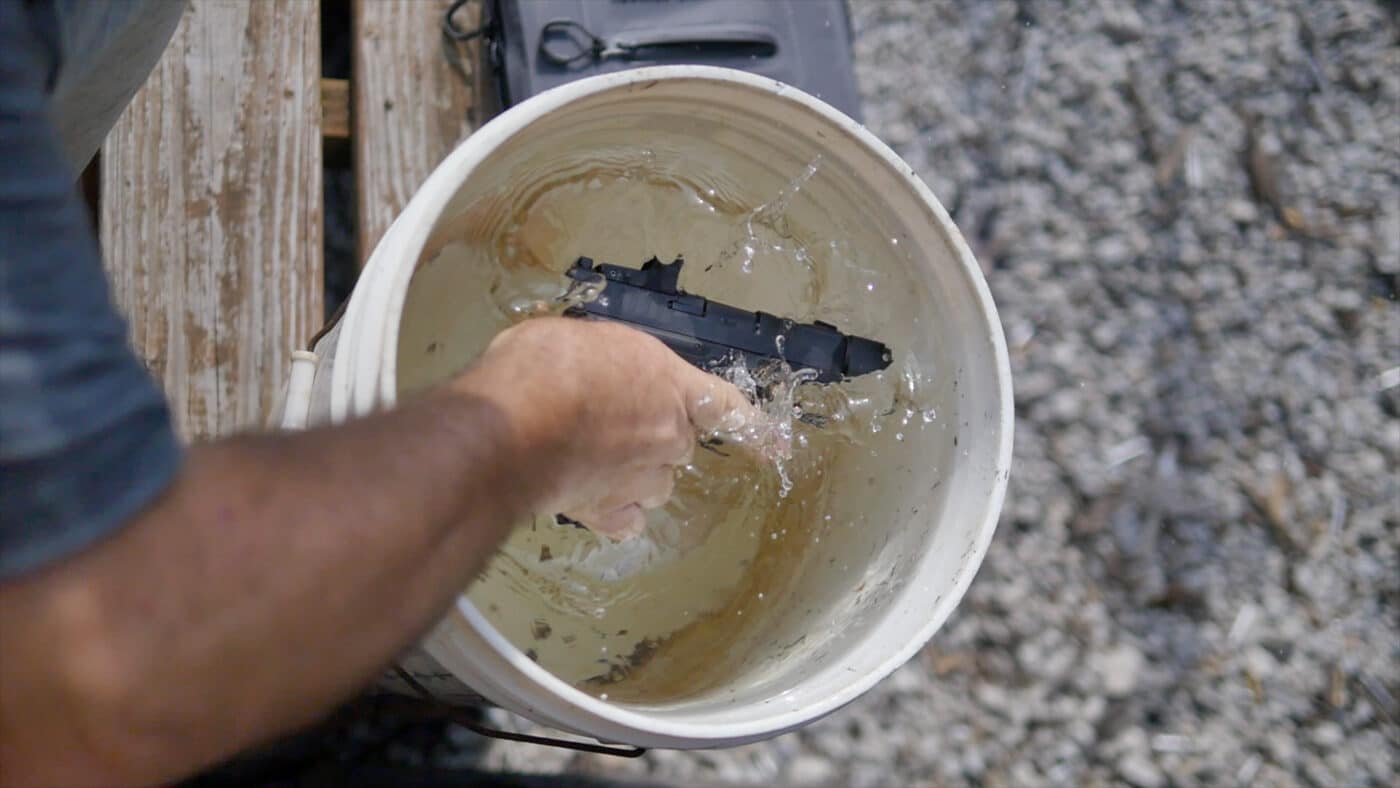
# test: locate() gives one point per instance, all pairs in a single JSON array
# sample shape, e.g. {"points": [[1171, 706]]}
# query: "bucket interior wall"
{"points": [[899, 506]]}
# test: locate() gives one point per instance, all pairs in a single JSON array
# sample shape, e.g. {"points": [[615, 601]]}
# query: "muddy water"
{"points": [[672, 613]]}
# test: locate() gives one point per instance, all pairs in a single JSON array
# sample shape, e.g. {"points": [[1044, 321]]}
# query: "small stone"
{"points": [[1059, 662], [1140, 770], [810, 770], [1283, 747], [1259, 662], [906, 679], [1118, 669], [1242, 211], [865, 774], [1113, 250], [1122, 24], [1328, 735], [992, 696]]}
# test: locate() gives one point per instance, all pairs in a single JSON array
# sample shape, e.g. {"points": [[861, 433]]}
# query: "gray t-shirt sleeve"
{"points": [[85, 435]]}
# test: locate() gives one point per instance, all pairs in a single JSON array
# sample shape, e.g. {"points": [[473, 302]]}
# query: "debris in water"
{"points": [[541, 629]]}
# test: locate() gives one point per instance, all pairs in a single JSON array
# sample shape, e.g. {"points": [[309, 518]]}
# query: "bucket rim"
{"points": [[428, 205]]}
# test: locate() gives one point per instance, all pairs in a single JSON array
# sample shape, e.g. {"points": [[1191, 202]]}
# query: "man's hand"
{"points": [[281, 573], [609, 414]]}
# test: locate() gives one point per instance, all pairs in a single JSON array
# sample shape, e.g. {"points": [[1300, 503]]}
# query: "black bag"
{"points": [[534, 45]]}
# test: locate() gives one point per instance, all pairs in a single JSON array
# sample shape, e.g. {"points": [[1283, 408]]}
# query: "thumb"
{"points": [[712, 403]]}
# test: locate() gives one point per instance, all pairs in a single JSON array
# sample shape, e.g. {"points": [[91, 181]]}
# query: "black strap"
{"points": [[565, 42]]}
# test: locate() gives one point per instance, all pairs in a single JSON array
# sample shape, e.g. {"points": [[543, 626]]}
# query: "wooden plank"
{"points": [[335, 123], [411, 106], [211, 209], [335, 109]]}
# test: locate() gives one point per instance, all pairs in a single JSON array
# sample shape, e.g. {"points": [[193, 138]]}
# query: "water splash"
{"points": [[523, 292], [773, 216], [773, 388]]}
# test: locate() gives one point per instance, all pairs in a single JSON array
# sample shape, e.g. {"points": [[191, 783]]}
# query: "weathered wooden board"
{"points": [[211, 209], [411, 106]]}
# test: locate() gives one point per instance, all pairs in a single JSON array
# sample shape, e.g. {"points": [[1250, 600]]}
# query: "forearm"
{"points": [[276, 576]]}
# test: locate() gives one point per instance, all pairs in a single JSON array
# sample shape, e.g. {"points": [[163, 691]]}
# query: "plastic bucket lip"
{"points": [[428, 205]]}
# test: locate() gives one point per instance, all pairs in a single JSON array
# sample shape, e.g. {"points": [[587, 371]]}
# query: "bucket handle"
{"points": [[453, 715], [328, 325]]}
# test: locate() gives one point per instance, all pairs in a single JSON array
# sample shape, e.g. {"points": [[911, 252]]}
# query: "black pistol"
{"points": [[707, 333]]}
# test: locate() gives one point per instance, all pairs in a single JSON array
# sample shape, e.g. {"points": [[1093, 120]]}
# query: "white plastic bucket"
{"points": [[934, 504]]}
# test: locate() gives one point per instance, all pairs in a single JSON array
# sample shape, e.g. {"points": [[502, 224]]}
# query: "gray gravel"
{"points": [[1189, 214]]}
